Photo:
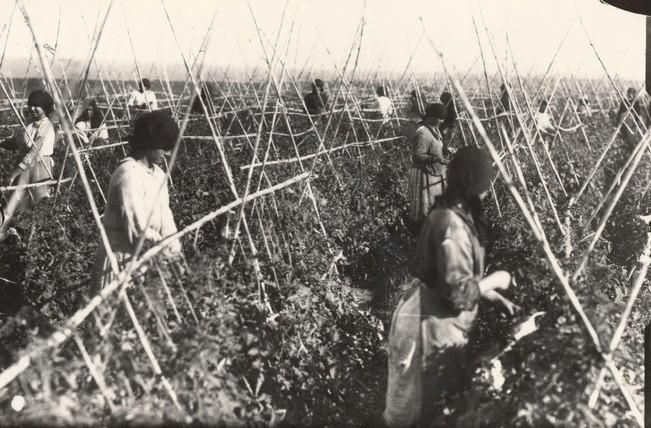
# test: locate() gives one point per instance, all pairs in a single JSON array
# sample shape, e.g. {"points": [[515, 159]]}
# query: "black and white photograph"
{"points": [[325, 213]]}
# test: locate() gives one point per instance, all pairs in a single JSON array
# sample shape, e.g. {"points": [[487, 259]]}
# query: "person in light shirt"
{"points": [[36, 144], [545, 124], [384, 104], [544, 120], [143, 98], [90, 126], [134, 207]]}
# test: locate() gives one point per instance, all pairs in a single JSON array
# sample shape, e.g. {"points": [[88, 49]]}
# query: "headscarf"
{"points": [[469, 175], [436, 110], [154, 130], [42, 99]]}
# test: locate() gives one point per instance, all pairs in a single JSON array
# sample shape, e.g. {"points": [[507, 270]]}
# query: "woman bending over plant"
{"points": [[430, 326]]}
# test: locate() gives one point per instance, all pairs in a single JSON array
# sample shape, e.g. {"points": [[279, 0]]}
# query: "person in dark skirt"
{"points": [[205, 98], [316, 102], [428, 353]]}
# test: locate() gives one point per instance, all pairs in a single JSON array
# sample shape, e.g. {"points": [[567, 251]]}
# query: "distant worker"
{"points": [[36, 144], [448, 127], [144, 98], [384, 104], [505, 100], [584, 107], [544, 120], [416, 106], [504, 109], [429, 367], [427, 173], [205, 99], [316, 102], [544, 123], [414, 113], [634, 121], [90, 126], [134, 207]]}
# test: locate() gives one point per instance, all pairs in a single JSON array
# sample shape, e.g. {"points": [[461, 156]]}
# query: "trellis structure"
{"points": [[255, 203]]}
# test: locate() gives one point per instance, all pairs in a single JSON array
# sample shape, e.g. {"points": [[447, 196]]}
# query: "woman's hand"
{"points": [[152, 235], [510, 307]]}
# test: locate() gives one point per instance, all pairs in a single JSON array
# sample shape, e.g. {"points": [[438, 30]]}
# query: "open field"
{"points": [[297, 248], [294, 328]]}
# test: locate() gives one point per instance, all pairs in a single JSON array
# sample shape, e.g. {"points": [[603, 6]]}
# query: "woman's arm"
{"points": [[421, 154], [498, 280], [44, 135], [455, 266]]}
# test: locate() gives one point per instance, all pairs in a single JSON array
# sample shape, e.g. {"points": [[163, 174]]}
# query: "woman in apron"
{"points": [[431, 324], [427, 173]]}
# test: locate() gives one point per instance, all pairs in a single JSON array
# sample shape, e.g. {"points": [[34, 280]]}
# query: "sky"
{"points": [[319, 34]]}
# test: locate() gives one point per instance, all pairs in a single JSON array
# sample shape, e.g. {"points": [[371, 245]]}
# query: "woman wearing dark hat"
{"points": [[133, 195], [430, 326], [427, 173], [37, 145]]}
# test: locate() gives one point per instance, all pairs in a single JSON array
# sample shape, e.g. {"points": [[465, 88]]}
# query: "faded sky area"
{"points": [[318, 34]]}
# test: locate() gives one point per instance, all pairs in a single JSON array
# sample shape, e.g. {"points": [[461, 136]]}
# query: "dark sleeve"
{"points": [[455, 267], [621, 111], [307, 99], [9, 143], [505, 101]]}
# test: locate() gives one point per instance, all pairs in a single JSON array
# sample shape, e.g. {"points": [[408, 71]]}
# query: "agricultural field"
{"points": [[297, 249], [293, 331]]}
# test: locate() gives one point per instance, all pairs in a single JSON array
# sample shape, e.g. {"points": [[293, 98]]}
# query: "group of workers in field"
{"points": [[137, 199], [428, 360], [428, 354]]}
